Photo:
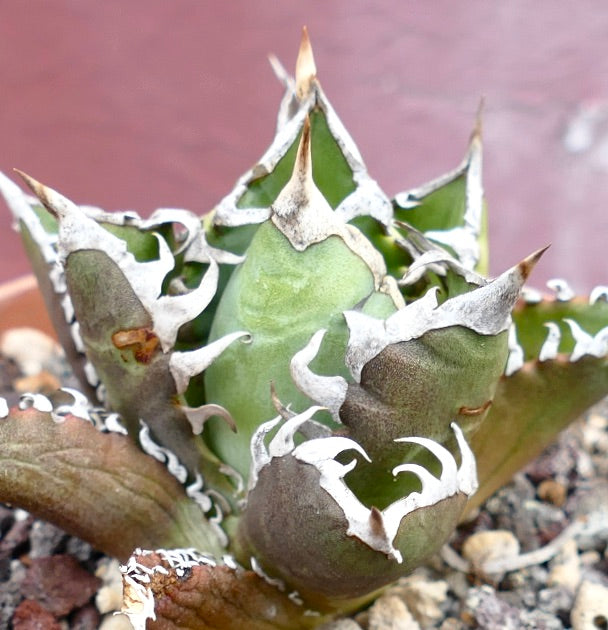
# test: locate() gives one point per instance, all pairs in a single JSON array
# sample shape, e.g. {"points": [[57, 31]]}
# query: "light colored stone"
{"points": [[109, 596], [30, 349], [422, 597], [390, 613], [565, 568], [488, 546], [590, 610]]}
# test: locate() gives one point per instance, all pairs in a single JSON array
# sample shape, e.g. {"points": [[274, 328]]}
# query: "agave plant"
{"points": [[290, 402]]}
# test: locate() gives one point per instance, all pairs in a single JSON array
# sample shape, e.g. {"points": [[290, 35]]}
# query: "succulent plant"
{"points": [[292, 401]]}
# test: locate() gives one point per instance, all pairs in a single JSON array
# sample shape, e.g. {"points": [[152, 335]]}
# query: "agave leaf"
{"points": [[338, 170], [419, 370], [128, 327], [307, 527], [530, 407], [39, 233], [190, 591], [451, 209], [304, 267], [560, 369], [98, 486]]}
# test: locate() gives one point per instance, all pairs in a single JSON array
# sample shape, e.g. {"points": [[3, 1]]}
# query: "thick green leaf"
{"points": [[331, 172], [529, 409], [98, 486], [541, 398], [282, 297]]}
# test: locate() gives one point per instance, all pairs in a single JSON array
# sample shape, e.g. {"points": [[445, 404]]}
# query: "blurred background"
{"points": [[138, 105]]}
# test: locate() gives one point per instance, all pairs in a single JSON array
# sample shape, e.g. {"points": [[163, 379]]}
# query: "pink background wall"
{"points": [[146, 104]]}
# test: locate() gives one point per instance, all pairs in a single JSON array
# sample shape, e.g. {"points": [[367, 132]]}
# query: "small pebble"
{"points": [[43, 383], [489, 546], [565, 568], [555, 601], [59, 583], [485, 609], [590, 610], [553, 492], [30, 615], [45, 539], [109, 596], [390, 613], [423, 598]]}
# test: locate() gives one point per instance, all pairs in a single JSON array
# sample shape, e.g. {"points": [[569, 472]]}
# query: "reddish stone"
{"points": [[59, 583], [86, 618], [30, 615]]}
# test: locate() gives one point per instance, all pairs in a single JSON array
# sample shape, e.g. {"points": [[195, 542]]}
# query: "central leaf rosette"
{"points": [[329, 324]]}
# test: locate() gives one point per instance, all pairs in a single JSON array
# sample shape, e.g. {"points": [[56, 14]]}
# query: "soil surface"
{"points": [[535, 556]]}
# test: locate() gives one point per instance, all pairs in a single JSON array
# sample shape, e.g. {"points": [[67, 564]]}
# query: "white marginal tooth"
{"points": [[68, 308], [449, 470], [161, 454], [3, 408], [282, 443], [259, 453], [101, 393], [164, 216], [467, 472], [515, 360], [185, 365], [194, 245], [257, 569], [113, 425], [200, 251], [322, 451], [35, 401], [430, 483], [57, 278], [598, 293], [550, 346], [91, 374], [197, 416], [563, 292], [437, 261], [329, 391], [234, 476], [583, 340], [586, 344], [171, 312], [281, 74], [80, 407], [76, 337], [531, 296], [194, 491]]}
